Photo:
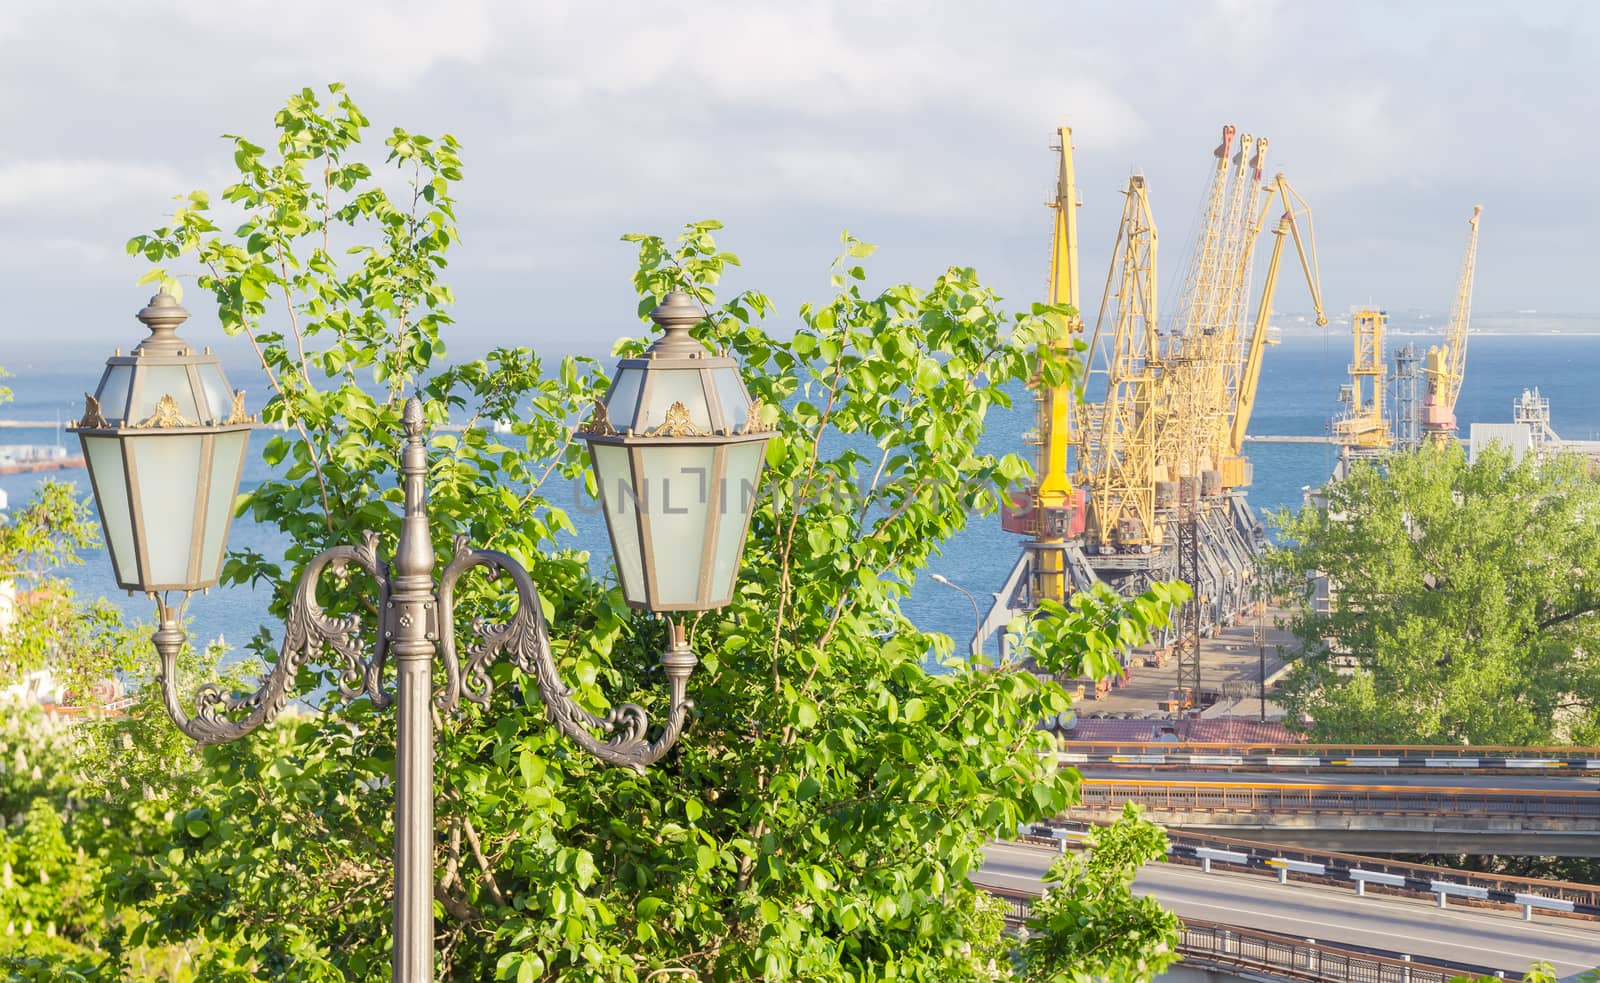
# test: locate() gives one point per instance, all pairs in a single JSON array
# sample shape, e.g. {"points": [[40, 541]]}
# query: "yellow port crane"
{"points": [[1052, 509], [1117, 460], [1234, 465], [1183, 397], [1446, 365], [1221, 334]]}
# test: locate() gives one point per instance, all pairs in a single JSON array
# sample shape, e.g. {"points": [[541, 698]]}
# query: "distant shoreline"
{"points": [[20, 361], [1391, 333]]}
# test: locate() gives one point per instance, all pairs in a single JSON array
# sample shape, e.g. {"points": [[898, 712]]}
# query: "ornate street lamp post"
{"points": [[677, 449]]}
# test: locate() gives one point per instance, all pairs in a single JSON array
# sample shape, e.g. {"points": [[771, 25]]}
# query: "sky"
{"points": [[922, 127]]}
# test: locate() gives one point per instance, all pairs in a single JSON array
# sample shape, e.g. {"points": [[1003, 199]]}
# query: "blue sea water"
{"points": [[1298, 395]]}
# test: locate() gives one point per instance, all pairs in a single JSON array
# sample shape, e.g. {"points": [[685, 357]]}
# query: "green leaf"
{"points": [[252, 289]]}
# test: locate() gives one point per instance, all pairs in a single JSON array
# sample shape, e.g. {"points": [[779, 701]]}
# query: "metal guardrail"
{"points": [[1304, 959], [1385, 876], [1203, 942], [1160, 754], [1100, 794]]}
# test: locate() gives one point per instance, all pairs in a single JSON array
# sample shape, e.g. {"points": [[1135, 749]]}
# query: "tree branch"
{"points": [[483, 863], [1562, 619]]}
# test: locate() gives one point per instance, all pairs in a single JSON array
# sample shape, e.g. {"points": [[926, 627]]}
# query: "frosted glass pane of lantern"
{"points": [[730, 392], [104, 457], [677, 514], [113, 395], [668, 386], [623, 399], [218, 396], [167, 468], [617, 498], [739, 488], [227, 456], [164, 380]]}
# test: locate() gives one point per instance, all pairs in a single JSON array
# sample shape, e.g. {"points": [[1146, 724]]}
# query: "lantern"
{"points": [[677, 449], [164, 437]]}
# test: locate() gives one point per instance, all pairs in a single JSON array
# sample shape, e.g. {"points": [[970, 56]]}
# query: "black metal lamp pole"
{"points": [[677, 403]]}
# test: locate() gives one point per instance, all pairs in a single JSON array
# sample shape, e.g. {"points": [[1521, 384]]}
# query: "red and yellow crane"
{"points": [[1446, 364], [1052, 510]]}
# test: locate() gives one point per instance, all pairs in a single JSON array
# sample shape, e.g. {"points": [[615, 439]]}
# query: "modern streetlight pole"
{"points": [[977, 616], [165, 438]]}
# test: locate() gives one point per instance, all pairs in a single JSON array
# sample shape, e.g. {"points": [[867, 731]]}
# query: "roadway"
{"points": [[1494, 939], [1520, 814]]}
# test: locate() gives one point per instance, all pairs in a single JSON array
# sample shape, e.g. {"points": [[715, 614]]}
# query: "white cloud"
{"points": [[57, 185], [922, 126], [57, 250]]}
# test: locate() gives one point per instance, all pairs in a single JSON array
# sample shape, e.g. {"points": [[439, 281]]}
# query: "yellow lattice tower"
{"points": [[1222, 363], [1120, 456]]}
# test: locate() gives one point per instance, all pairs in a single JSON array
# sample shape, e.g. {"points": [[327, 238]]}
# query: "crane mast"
{"points": [[1446, 365]]}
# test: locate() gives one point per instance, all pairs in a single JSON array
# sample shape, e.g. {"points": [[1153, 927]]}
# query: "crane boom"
{"points": [[1181, 401], [1245, 397], [1446, 365]]}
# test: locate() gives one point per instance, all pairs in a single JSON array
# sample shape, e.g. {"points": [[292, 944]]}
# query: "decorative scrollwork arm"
{"points": [[525, 641], [307, 632]]}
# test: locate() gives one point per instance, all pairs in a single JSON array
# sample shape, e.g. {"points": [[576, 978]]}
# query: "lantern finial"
{"points": [[676, 315], [162, 316]]}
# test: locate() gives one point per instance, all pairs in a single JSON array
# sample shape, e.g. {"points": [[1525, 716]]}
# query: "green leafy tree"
{"points": [[83, 802], [1464, 602], [1539, 972], [45, 625], [79, 797], [1090, 925], [820, 817]]}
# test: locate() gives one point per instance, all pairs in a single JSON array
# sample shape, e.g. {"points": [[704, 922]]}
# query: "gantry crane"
{"points": [[1363, 429], [1446, 364]]}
